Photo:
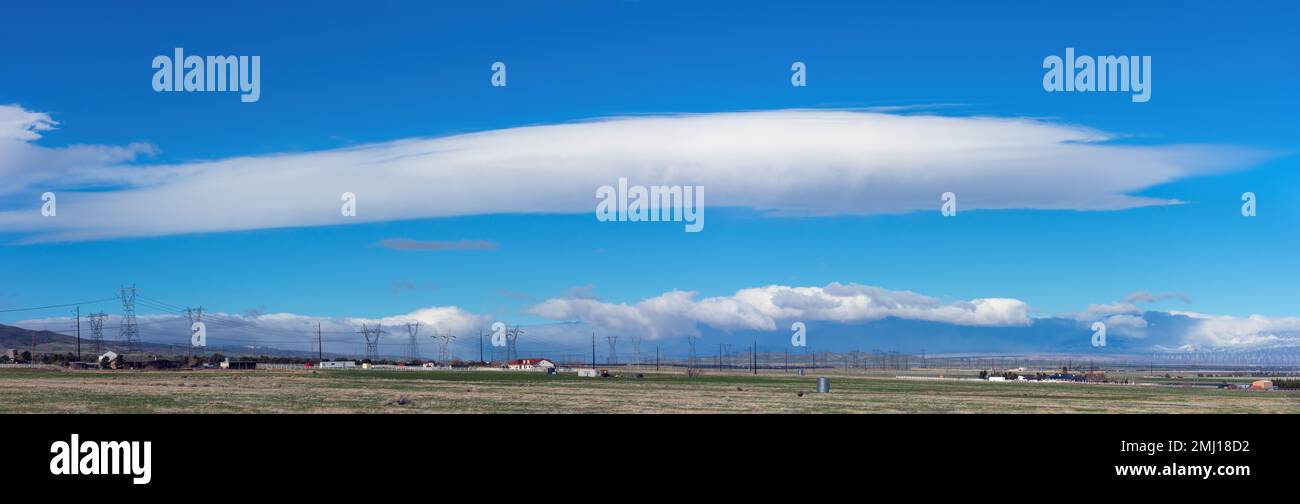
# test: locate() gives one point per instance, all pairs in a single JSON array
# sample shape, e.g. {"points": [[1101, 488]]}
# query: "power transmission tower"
{"points": [[613, 349], [636, 351], [512, 341], [194, 314], [690, 360], [130, 332], [372, 340], [444, 347], [412, 346], [97, 331]]}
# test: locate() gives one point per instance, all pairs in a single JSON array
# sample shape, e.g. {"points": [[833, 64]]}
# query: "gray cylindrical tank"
{"points": [[823, 385]]}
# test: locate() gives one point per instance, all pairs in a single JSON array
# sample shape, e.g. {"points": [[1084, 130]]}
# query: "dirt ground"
{"points": [[357, 391]]}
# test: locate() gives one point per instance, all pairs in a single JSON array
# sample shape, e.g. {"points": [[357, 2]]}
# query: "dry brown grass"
{"points": [[493, 392]]}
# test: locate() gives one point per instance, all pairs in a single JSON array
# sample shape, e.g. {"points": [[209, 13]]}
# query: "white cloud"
{"points": [[1125, 318], [678, 313], [810, 162], [17, 123], [1217, 331], [24, 166], [1126, 325], [437, 319], [763, 308]]}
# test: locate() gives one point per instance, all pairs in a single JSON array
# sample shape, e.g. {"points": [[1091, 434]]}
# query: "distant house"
{"points": [[1262, 385], [229, 364], [10, 354], [1066, 377], [336, 364], [111, 360], [528, 364]]}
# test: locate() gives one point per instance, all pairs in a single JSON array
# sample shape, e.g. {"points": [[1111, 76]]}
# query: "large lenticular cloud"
{"points": [[804, 162]]}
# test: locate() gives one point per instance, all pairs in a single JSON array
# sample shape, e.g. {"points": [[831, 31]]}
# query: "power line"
{"points": [[68, 305]]}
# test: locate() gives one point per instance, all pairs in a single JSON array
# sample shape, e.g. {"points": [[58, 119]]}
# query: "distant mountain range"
{"points": [[51, 342]]}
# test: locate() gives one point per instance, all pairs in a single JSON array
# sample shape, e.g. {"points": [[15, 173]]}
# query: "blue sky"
{"points": [[347, 76]]}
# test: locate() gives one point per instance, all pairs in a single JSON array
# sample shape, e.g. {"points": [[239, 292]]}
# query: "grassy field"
{"points": [[358, 391]]}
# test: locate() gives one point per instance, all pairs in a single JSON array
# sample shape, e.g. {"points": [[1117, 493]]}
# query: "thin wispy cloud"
{"points": [[26, 166], [1147, 297], [786, 162]]}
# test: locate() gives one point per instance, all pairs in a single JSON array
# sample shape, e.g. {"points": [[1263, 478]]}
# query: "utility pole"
{"points": [[480, 345], [320, 351], [656, 357], [78, 334], [593, 350], [753, 355]]}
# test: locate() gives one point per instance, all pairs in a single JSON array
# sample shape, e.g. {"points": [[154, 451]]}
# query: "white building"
{"points": [[531, 364]]}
